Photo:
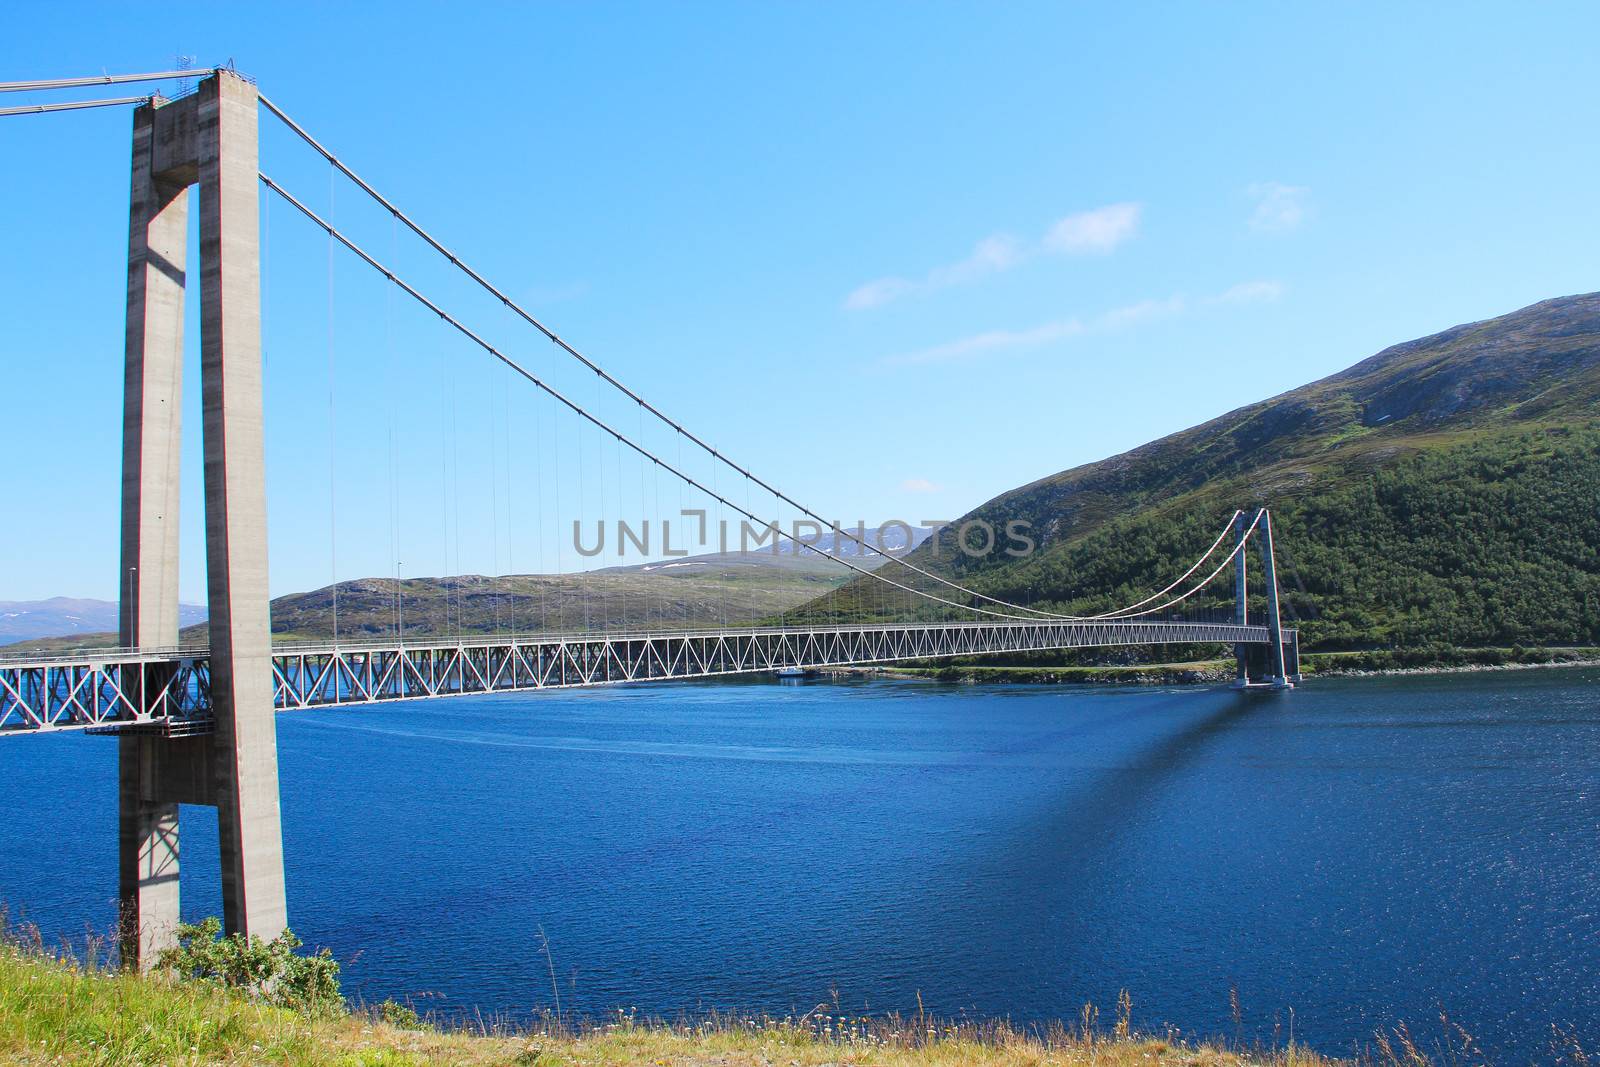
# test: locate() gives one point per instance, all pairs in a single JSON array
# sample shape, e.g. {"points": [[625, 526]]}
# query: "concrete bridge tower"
{"points": [[1274, 663], [207, 139]]}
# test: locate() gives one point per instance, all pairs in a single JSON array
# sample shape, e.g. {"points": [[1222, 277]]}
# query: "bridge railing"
{"points": [[164, 653]]}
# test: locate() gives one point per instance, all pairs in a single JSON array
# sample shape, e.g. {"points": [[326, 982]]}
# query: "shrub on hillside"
{"points": [[269, 970]]}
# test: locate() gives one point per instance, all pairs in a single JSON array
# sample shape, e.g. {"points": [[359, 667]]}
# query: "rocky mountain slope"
{"points": [[691, 591], [1444, 490], [60, 616]]}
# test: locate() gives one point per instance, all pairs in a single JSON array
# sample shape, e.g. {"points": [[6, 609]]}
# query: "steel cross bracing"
{"points": [[168, 690]]}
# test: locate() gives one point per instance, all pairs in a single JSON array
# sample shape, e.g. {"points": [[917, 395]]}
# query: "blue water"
{"points": [[1361, 852]]}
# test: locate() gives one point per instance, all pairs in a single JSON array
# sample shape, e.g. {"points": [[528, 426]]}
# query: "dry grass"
{"points": [[55, 1010]]}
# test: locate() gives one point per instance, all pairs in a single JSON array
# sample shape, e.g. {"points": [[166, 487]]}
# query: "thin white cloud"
{"points": [[1279, 208], [991, 255], [1143, 311], [877, 293], [921, 485], [1119, 318], [1250, 293], [989, 341], [1089, 232], [1098, 231]]}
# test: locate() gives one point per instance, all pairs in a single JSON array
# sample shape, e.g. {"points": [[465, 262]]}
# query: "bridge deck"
{"points": [[169, 689]]}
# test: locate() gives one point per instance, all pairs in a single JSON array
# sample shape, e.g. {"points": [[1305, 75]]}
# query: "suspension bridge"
{"points": [[195, 722]]}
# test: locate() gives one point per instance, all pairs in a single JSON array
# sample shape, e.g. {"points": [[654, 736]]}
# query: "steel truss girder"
{"points": [[69, 694], [104, 688]]}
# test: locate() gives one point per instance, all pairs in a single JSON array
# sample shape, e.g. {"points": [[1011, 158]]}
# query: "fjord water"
{"points": [[1363, 852]]}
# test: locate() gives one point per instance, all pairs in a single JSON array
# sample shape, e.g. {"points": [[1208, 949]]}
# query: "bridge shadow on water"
{"points": [[1173, 730], [989, 812], [1049, 916], [1105, 797], [1134, 749]]}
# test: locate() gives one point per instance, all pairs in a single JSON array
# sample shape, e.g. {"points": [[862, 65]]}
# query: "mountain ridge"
{"points": [[1408, 387], [691, 590], [1473, 414], [60, 616]]}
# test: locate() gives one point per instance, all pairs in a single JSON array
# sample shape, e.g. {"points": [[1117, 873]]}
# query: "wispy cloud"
{"points": [[1097, 231], [1119, 318], [989, 256], [1145, 310], [993, 254], [878, 292], [1089, 232], [921, 485], [1279, 208], [1250, 293], [990, 341]]}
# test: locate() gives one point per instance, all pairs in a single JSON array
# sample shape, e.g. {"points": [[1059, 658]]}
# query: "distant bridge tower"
{"points": [[1277, 663], [208, 138]]}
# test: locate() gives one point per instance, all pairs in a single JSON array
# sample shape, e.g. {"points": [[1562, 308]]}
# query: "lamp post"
{"points": [[131, 610]]}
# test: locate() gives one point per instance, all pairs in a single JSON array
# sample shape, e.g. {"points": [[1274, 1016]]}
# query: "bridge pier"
{"points": [[1280, 674], [209, 139], [147, 863]]}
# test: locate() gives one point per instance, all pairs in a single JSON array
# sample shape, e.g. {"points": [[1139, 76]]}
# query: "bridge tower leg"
{"points": [[209, 138], [1241, 597], [1280, 676], [158, 244]]}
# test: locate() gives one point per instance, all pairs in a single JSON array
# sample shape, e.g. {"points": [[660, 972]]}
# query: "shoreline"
{"points": [[61, 1010], [1445, 668], [1152, 674], [1198, 673]]}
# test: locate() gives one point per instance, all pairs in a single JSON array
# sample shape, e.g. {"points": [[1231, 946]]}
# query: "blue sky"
{"points": [[896, 257]]}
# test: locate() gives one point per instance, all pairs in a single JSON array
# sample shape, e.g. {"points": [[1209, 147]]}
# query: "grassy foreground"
{"points": [[54, 1011]]}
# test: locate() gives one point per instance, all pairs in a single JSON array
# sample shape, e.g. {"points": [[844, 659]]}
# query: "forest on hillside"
{"points": [[1494, 541]]}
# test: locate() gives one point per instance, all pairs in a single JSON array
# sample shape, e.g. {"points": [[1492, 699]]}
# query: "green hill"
{"points": [[691, 592], [694, 592], [1444, 491]]}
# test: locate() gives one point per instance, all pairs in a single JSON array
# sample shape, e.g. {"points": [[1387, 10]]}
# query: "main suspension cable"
{"points": [[101, 79], [527, 317], [1244, 539], [577, 409], [1126, 612], [1179, 579], [75, 105]]}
